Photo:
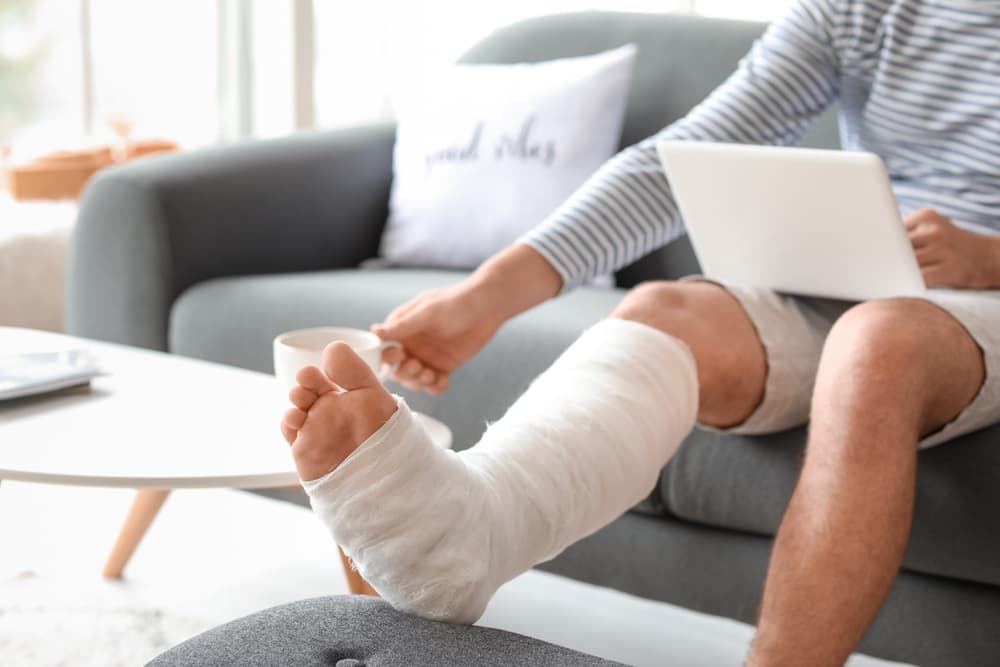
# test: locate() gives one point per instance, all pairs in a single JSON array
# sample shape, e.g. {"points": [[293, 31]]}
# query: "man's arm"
{"points": [[626, 208]]}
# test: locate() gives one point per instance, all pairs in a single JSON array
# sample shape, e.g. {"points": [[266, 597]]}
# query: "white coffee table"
{"points": [[156, 423]]}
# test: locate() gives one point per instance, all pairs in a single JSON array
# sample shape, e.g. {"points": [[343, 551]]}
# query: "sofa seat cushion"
{"points": [[234, 320], [744, 483]]}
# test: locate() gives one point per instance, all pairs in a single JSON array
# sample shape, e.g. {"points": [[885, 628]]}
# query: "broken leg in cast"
{"points": [[437, 532]]}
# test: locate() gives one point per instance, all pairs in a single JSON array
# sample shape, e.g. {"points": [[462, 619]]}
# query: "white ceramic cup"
{"points": [[304, 347]]}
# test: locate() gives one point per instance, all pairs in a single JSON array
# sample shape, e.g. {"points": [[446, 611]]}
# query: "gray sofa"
{"points": [[211, 253]]}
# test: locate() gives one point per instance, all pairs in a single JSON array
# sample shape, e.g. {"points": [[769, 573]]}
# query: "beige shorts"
{"points": [[793, 330]]}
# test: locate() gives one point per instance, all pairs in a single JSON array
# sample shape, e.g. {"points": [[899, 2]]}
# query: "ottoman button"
{"points": [[350, 662]]}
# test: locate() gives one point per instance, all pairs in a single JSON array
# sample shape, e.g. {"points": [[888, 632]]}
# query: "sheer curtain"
{"points": [[363, 50], [201, 72], [146, 63], [154, 67]]}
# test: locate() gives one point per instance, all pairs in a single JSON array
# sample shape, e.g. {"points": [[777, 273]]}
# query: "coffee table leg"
{"points": [[355, 582], [145, 507]]}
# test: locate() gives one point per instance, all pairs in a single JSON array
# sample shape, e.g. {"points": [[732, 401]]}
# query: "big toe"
{"points": [[346, 368]]}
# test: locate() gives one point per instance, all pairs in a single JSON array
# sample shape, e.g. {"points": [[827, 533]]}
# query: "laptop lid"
{"points": [[796, 220]]}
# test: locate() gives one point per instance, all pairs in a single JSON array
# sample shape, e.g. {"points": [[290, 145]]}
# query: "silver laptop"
{"points": [[797, 220]]}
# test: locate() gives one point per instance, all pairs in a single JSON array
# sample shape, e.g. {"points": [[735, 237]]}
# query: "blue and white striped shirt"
{"points": [[918, 83]]}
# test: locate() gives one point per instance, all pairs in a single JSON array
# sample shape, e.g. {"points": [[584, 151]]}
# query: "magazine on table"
{"points": [[41, 372]]}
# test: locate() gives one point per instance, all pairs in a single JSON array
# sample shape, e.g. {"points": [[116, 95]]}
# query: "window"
{"points": [[154, 65], [40, 73], [199, 72], [364, 49]]}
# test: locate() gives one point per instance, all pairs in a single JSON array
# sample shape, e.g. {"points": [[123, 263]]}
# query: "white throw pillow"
{"points": [[485, 152]]}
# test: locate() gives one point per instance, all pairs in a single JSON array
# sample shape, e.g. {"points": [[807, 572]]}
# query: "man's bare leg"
{"points": [[891, 372]]}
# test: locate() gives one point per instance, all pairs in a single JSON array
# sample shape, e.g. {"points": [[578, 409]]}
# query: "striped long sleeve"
{"points": [[626, 209]]}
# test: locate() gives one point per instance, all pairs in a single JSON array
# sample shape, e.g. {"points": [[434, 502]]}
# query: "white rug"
{"points": [[44, 623], [212, 556]]}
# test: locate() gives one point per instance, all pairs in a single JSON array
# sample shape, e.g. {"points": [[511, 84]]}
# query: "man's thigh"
{"points": [[792, 331]]}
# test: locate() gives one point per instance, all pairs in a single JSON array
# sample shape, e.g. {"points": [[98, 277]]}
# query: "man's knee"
{"points": [[653, 302], [732, 365], [906, 340], [908, 353]]}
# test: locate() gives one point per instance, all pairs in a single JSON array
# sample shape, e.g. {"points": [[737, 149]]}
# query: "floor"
{"points": [[214, 555]]}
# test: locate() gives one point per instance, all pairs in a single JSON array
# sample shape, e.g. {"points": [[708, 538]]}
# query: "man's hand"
{"points": [[442, 329], [439, 330], [952, 257]]}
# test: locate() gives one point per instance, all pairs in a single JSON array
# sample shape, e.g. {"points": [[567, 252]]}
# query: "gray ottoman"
{"points": [[359, 631]]}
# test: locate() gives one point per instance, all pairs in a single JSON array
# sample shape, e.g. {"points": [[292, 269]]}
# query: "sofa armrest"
{"points": [[148, 230]]}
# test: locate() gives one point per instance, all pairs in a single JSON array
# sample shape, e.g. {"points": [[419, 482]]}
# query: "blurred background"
{"points": [[77, 73]]}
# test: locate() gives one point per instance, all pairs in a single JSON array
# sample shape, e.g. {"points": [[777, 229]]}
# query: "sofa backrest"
{"points": [[681, 59]]}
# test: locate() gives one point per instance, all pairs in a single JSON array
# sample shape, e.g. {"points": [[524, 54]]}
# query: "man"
{"points": [[438, 532]]}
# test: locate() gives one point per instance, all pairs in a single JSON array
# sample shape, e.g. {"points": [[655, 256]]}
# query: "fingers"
{"points": [[921, 238], [923, 216], [419, 374], [400, 329], [409, 319], [413, 374], [927, 255], [417, 324], [393, 355], [440, 385], [931, 233], [926, 228], [410, 370], [935, 276]]}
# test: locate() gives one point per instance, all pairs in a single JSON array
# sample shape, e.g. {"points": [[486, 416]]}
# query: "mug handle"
{"points": [[385, 371]]}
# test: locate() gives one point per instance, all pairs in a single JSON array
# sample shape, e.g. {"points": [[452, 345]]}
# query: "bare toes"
{"points": [[301, 397], [315, 380], [292, 422], [294, 418], [343, 366]]}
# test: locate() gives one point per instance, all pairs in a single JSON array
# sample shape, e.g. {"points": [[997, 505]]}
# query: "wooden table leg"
{"points": [[355, 582], [145, 507]]}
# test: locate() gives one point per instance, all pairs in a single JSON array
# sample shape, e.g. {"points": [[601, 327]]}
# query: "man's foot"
{"points": [[336, 409], [408, 513]]}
